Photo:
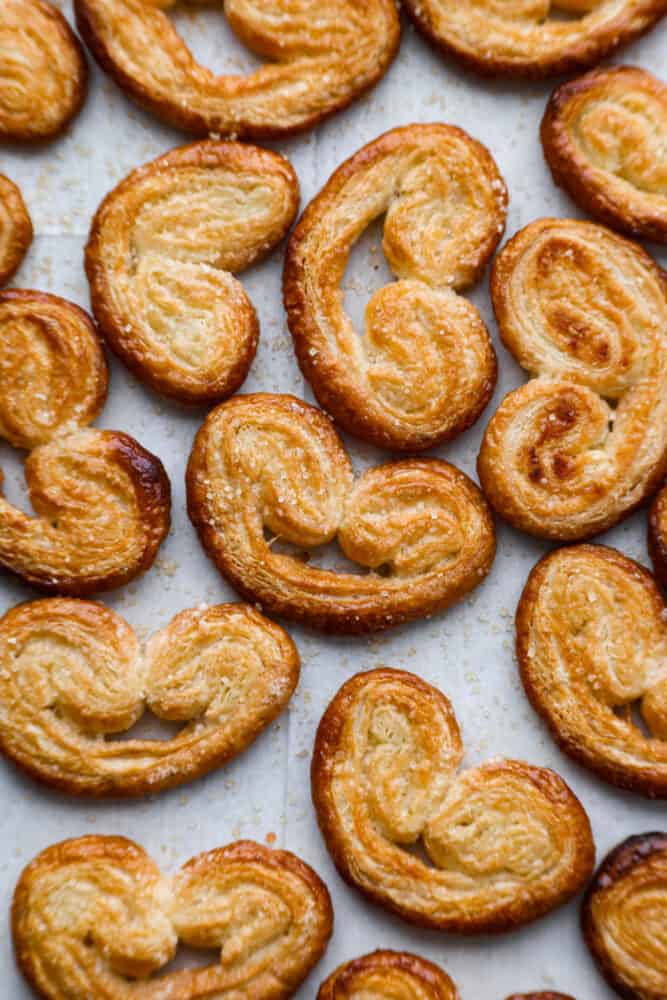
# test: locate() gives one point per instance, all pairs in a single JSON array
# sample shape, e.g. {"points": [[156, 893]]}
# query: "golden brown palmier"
{"points": [[160, 257], [73, 671], [102, 501], [94, 917], [43, 73], [508, 841], [518, 38], [15, 229], [272, 463], [591, 632], [603, 136], [657, 535], [396, 975], [322, 55], [425, 368], [624, 915], [584, 311]]}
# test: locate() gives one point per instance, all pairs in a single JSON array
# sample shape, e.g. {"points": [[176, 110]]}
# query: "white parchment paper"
{"points": [[468, 652]]}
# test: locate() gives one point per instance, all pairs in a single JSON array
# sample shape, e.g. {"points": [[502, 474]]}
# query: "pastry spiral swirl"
{"points": [[15, 229], [43, 73], [591, 632], [274, 463], [584, 311], [94, 917], [657, 535], [425, 368], [508, 842], [603, 137], [322, 55], [517, 38], [73, 671], [399, 975], [624, 916], [159, 259], [102, 500]]}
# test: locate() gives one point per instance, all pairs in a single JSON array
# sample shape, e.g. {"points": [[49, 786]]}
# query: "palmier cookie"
{"points": [[73, 671], [518, 38], [271, 465], [425, 368], [603, 137], [398, 975], [160, 257], [624, 916], [15, 229], [591, 631], [102, 501], [657, 535], [94, 917], [584, 311], [321, 55], [508, 841], [43, 73]]}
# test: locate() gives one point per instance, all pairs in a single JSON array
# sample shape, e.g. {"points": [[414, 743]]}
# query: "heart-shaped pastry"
{"points": [[584, 311], [102, 501], [425, 367], [43, 73], [591, 631], [603, 136], [507, 842], [532, 38], [163, 250], [15, 229], [72, 672], [94, 917], [624, 916], [321, 55], [271, 465], [657, 535]]}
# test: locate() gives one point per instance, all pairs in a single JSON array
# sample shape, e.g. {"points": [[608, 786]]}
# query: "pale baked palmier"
{"points": [[624, 916], [584, 311], [72, 672], [161, 257], [102, 501], [519, 38], [15, 229], [94, 917], [591, 633], [43, 72], [603, 136], [425, 368], [657, 535], [508, 841], [394, 975], [271, 464], [321, 55]]}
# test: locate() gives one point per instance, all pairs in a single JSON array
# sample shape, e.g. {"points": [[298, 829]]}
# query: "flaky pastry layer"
{"points": [[161, 257], [425, 367], [657, 535], [624, 915], [321, 55], [507, 841], [591, 632], [604, 136], [519, 38], [584, 312], [73, 672], [43, 73], [94, 917], [269, 464], [102, 501], [15, 229]]}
